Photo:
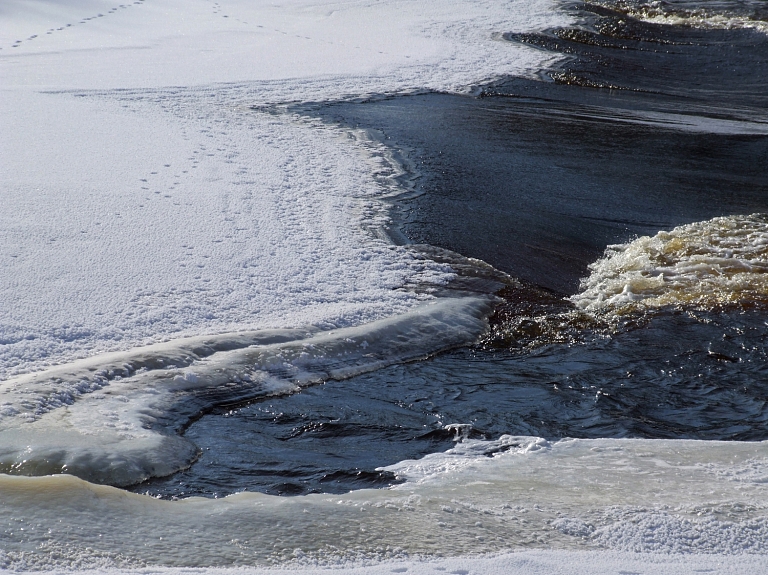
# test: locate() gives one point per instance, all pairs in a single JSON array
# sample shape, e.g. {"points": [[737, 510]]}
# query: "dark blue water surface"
{"points": [[643, 127]]}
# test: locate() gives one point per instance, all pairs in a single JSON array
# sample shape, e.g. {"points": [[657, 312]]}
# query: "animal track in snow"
{"points": [[83, 20], [217, 9]]}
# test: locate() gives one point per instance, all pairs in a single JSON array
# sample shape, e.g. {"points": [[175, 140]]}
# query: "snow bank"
{"points": [[521, 563], [379, 46], [145, 199], [660, 498]]}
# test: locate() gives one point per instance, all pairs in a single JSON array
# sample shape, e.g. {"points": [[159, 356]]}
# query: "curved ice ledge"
{"points": [[115, 418], [515, 493]]}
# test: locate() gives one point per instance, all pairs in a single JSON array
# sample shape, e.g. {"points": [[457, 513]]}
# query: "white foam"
{"points": [[660, 13], [703, 20], [700, 265]]}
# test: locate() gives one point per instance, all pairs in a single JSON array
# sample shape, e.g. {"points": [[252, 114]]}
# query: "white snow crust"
{"points": [[520, 563], [362, 45], [145, 200], [668, 504], [125, 227]]}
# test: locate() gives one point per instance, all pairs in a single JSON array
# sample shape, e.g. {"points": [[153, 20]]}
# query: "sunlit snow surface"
{"points": [[134, 216], [153, 192]]}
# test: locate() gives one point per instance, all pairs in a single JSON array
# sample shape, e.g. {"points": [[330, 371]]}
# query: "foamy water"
{"points": [[701, 265], [727, 15]]}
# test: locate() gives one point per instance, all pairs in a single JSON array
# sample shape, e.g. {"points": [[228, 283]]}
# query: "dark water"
{"points": [[709, 382], [536, 178], [644, 127]]}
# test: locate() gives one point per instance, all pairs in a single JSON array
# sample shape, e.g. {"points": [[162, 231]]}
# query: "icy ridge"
{"points": [[113, 419]]}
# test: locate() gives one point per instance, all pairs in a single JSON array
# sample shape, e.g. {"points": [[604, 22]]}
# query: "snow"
{"points": [[139, 229], [521, 563], [612, 503], [152, 43], [144, 199]]}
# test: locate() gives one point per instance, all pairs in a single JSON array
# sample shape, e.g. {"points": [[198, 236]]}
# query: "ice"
{"points": [[114, 418], [662, 502], [146, 196]]}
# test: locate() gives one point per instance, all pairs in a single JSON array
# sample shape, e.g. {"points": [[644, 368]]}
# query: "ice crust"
{"points": [[663, 499], [113, 419]]}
